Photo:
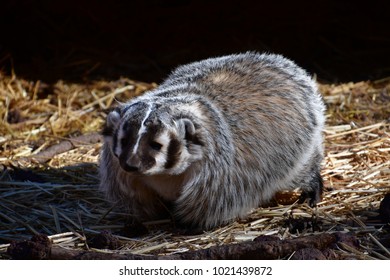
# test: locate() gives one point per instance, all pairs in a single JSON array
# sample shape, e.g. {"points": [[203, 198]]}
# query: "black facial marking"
{"points": [[126, 127], [129, 135], [155, 145], [107, 130], [148, 161], [124, 142], [173, 153]]}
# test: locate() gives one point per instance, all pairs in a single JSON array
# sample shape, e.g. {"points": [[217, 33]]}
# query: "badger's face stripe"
{"points": [[173, 153], [142, 129], [115, 144]]}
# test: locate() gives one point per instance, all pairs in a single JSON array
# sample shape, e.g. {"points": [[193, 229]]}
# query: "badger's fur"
{"points": [[216, 139]]}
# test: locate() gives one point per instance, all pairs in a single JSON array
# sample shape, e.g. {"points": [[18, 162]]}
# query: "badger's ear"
{"points": [[191, 135], [112, 121], [186, 128], [113, 117], [189, 131]]}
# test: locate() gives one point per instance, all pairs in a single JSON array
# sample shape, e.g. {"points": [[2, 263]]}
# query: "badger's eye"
{"points": [[155, 145]]}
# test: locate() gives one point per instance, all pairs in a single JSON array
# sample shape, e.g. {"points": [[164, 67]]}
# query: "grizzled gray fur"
{"points": [[218, 138]]}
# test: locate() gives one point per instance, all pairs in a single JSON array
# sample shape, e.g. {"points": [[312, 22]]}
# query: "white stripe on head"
{"points": [[142, 128]]}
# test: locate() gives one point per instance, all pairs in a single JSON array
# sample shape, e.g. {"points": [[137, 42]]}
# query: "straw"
{"points": [[60, 198]]}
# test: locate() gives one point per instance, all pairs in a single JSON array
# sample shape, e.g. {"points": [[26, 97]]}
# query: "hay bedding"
{"points": [[56, 193]]}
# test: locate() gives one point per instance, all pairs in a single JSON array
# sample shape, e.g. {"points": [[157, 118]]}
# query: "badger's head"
{"points": [[151, 139]]}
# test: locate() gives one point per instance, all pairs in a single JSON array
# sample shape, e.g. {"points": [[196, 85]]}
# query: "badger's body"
{"points": [[216, 139]]}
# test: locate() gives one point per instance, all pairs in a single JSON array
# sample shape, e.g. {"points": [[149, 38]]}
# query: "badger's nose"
{"points": [[126, 166], [129, 168]]}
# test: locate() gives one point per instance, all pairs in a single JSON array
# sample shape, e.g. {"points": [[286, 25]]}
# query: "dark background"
{"points": [[338, 41]]}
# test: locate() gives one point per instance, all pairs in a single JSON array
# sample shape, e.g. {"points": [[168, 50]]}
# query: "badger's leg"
{"points": [[313, 191], [311, 183]]}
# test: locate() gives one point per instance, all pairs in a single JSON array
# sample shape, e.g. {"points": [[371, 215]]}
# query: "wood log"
{"points": [[67, 145], [264, 247]]}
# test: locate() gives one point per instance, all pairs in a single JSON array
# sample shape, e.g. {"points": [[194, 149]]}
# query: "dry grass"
{"points": [[60, 198]]}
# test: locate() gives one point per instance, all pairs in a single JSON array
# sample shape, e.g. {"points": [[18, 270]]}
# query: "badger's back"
{"points": [[261, 119]]}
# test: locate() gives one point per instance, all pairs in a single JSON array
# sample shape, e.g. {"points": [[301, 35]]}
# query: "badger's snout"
{"points": [[129, 164]]}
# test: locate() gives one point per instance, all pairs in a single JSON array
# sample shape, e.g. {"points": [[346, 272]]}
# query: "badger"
{"points": [[216, 139]]}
